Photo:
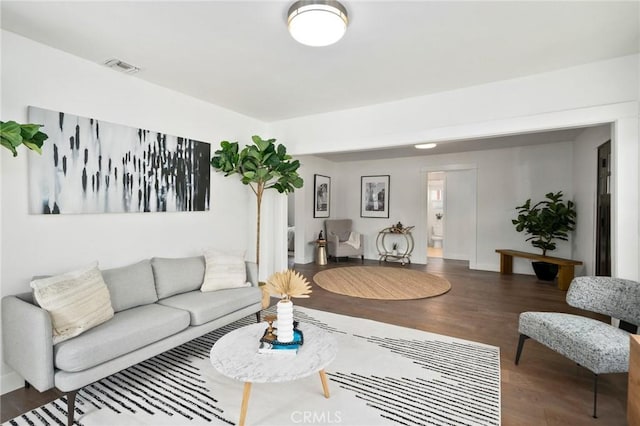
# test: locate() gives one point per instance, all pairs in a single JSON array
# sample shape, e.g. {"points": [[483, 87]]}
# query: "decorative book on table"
{"points": [[269, 346]]}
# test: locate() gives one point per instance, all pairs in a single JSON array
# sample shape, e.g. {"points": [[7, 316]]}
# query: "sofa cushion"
{"points": [[125, 332], [175, 276], [224, 270], [207, 306], [76, 301], [593, 344], [131, 285]]}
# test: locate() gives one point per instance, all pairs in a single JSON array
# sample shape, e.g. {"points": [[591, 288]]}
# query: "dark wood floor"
{"points": [[545, 389]]}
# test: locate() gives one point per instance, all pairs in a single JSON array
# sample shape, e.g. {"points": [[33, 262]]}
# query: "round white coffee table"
{"points": [[235, 355]]}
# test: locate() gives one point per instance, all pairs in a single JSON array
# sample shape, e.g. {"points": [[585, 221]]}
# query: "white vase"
{"points": [[285, 321]]}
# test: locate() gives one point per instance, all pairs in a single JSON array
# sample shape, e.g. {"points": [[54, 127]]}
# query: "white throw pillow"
{"points": [[76, 301], [224, 270]]}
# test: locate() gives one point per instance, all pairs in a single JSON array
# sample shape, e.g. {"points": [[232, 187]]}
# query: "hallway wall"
{"points": [[505, 179]]}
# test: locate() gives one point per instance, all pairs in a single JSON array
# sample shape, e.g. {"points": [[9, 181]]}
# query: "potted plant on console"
{"points": [[546, 221]]}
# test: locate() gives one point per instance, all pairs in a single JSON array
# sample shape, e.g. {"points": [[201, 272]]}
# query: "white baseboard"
{"points": [[485, 267], [304, 260], [10, 382], [496, 268]]}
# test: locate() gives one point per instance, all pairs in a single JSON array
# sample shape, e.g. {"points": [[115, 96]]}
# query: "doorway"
{"points": [[603, 209], [291, 228], [456, 206], [435, 216]]}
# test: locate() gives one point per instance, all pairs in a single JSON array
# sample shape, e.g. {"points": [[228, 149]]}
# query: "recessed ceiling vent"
{"points": [[121, 66]]}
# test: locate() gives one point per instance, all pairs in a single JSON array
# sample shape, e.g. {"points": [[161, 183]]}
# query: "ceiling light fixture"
{"points": [[317, 22], [426, 146], [121, 66]]}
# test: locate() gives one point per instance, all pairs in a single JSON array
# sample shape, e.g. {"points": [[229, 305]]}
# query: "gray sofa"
{"points": [[158, 305]]}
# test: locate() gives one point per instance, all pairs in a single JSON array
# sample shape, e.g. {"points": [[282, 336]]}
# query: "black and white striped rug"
{"points": [[382, 375]]}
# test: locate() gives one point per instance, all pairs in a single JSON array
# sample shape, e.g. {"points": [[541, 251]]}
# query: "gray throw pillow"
{"points": [[175, 276], [131, 285]]}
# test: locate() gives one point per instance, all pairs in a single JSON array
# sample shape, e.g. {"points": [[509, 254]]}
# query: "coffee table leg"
{"points": [[325, 384], [245, 402]]}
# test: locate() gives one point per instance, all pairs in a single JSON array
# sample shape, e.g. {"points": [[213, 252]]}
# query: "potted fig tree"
{"points": [[545, 222], [262, 165]]}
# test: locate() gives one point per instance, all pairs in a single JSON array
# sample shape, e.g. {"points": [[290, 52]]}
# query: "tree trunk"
{"points": [[259, 193]]}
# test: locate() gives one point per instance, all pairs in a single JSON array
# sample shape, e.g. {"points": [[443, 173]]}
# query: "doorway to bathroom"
{"points": [[435, 216], [291, 229], [450, 213]]}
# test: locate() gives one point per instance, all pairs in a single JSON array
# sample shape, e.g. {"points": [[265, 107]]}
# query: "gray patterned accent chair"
{"points": [[337, 231], [595, 345]]}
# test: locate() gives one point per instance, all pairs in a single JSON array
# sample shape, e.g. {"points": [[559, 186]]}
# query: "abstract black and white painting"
{"points": [[93, 166]]}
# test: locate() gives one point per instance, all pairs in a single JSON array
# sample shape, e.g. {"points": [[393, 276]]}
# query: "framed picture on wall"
{"points": [[374, 196], [322, 195]]}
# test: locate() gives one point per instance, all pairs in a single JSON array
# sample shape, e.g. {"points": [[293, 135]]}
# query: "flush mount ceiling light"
{"points": [[426, 146], [317, 22]]}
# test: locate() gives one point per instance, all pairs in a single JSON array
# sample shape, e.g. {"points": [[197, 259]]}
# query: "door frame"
{"points": [[424, 184]]}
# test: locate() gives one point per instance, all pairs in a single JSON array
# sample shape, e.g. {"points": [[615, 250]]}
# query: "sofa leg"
{"points": [[71, 406], [520, 345], [595, 395], [362, 258], [258, 316]]}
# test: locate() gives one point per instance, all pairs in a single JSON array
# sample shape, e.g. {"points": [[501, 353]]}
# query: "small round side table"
{"points": [[321, 254]]}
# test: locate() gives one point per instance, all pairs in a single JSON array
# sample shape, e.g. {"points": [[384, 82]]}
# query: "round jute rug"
{"points": [[379, 282]]}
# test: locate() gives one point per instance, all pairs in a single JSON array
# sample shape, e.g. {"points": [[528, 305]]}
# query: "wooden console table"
{"points": [[565, 266]]}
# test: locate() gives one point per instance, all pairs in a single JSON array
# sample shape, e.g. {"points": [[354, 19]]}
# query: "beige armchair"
{"points": [[338, 232]]}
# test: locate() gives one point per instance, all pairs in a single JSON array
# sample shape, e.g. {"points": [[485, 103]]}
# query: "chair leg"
{"points": [[595, 395], [362, 258], [27, 385], [71, 404], [520, 345], [258, 316]]}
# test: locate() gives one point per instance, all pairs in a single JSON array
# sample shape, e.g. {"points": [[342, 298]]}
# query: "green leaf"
{"points": [[11, 133], [260, 143], [33, 146], [8, 145], [297, 182], [28, 131]]}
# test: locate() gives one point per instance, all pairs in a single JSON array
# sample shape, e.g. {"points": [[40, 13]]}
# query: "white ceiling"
{"points": [[238, 54], [447, 147]]}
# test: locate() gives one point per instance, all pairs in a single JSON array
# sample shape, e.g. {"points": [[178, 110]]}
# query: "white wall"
{"points": [[591, 94], [585, 177], [505, 179], [33, 74], [442, 116], [291, 209], [308, 227], [459, 219]]}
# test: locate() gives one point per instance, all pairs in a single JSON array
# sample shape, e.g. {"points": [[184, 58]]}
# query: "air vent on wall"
{"points": [[121, 66]]}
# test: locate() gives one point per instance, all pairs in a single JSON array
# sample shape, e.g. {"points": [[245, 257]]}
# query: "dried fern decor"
{"points": [[287, 284]]}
